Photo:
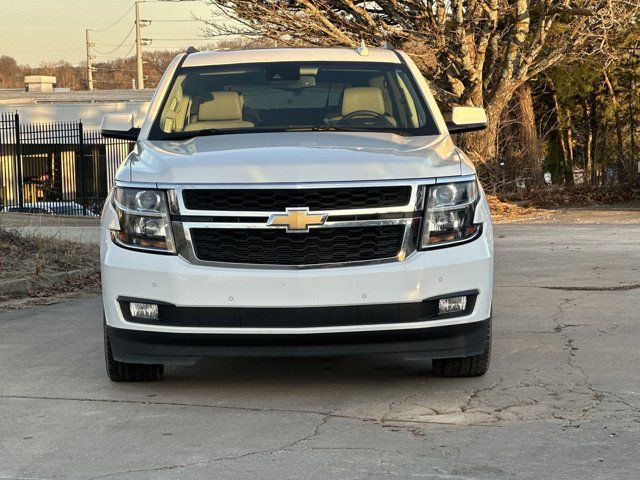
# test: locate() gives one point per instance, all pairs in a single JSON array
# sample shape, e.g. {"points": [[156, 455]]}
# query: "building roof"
{"points": [[11, 97], [341, 54], [39, 79]]}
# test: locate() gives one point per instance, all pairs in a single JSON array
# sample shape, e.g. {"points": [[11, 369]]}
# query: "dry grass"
{"points": [[573, 197], [506, 211], [536, 204], [29, 256]]}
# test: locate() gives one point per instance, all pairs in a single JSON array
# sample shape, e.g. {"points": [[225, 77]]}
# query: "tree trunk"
{"points": [[529, 134], [593, 137], [567, 161], [634, 168], [566, 171], [620, 156], [588, 149], [570, 146], [482, 146]]}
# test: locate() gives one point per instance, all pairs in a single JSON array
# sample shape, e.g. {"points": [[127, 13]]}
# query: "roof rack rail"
{"points": [[191, 50]]}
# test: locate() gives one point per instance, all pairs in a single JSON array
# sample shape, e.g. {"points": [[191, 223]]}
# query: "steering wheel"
{"points": [[365, 113]]}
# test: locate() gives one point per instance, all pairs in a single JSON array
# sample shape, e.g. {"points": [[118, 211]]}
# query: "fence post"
{"points": [[18, 161], [81, 169]]}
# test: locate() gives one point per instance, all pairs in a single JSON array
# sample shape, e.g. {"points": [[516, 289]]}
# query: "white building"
{"points": [[62, 105], [45, 165]]}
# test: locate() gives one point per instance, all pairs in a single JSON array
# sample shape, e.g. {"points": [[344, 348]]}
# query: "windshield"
{"points": [[249, 98]]}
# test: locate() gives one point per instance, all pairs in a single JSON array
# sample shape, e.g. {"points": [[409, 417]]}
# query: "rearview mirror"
{"points": [[119, 125], [467, 119]]}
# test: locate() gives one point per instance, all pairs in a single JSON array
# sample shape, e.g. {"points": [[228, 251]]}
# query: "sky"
{"points": [[36, 31]]}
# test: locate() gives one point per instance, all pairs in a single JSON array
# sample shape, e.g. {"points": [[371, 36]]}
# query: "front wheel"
{"points": [[129, 372], [474, 366]]}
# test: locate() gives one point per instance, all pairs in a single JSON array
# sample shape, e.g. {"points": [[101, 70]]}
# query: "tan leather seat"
{"points": [[369, 99], [381, 84], [223, 111]]}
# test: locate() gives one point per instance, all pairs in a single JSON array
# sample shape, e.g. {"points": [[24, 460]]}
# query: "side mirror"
{"points": [[467, 119], [119, 125]]}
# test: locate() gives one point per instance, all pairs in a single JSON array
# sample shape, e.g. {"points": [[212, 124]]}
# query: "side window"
{"points": [[174, 114], [411, 101]]}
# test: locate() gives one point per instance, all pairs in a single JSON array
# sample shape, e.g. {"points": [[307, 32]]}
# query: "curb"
{"points": [[23, 285]]}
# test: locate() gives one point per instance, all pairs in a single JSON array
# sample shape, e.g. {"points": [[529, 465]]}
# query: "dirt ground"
{"points": [[23, 256], [621, 213]]}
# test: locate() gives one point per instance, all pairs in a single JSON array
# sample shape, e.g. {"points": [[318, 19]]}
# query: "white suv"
{"points": [[289, 202]]}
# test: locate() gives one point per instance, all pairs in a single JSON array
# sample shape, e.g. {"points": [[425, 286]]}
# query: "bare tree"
{"points": [[474, 52]]}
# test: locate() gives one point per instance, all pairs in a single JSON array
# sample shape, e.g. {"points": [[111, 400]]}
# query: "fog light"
{"points": [[144, 310], [452, 304]]}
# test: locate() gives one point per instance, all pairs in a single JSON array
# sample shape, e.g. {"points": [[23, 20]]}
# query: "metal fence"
{"points": [[58, 168]]}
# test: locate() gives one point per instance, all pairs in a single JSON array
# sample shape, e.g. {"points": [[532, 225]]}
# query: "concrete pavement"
{"points": [[81, 229], [561, 401]]}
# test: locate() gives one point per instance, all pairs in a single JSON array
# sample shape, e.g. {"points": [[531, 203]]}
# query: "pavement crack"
{"points": [[616, 288], [228, 458], [476, 393], [394, 404], [232, 407], [611, 288], [570, 346]]}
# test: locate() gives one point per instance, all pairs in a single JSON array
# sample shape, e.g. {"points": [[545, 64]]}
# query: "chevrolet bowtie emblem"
{"points": [[296, 219]]}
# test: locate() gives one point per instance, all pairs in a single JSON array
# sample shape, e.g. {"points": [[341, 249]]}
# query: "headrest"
{"points": [[377, 82], [362, 98], [224, 106]]}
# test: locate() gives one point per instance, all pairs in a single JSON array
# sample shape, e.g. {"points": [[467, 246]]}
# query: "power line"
{"points": [[106, 44], [109, 58], [119, 46], [172, 1], [177, 39], [116, 22], [111, 69], [130, 50], [176, 21], [139, 24]]}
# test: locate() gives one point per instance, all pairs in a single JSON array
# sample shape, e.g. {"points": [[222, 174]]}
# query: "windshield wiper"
{"points": [[342, 128], [322, 128], [194, 133], [312, 128]]}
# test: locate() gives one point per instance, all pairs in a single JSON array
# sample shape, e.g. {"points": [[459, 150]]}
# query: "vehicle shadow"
{"points": [[366, 369], [374, 387]]}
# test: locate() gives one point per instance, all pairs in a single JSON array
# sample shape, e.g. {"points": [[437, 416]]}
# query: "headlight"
{"points": [[143, 219], [449, 214]]}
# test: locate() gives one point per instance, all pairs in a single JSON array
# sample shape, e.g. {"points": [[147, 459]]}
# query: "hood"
{"points": [[292, 157]]}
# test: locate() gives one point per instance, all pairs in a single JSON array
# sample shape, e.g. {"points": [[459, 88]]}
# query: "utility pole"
{"points": [[89, 59], [140, 82], [140, 24]]}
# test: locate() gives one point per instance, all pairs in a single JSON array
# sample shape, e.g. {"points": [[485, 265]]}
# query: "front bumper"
{"points": [[186, 349], [171, 279]]}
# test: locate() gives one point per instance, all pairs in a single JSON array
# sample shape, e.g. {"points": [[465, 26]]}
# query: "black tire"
{"points": [[474, 366], [129, 372]]}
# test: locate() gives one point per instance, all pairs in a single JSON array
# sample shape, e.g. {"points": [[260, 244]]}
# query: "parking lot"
{"points": [[561, 401]]}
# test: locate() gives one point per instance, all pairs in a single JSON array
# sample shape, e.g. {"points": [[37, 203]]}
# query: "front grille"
{"points": [[279, 199], [277, 247]]}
